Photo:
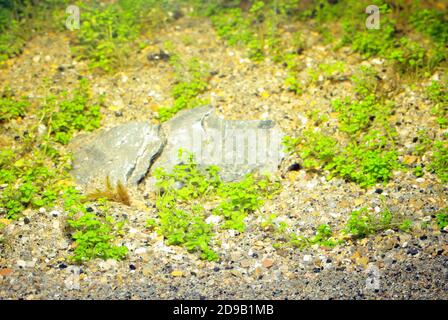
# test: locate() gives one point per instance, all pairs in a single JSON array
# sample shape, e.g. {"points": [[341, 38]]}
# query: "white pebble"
{"points": [[213, 219], [140, 250], [307, 258], [377, 61]]}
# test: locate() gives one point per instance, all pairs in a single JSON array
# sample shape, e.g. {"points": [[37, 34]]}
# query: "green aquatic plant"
{"points": [[363, 165], [94, 236], [442, 218], [394, 40], [29, 181], [109, 32], [315, 148], [431, 22], [236, 28], [192, 81], [366, 160], [181, 197], [35, 170], [185, 227], [76, 113], [355, 116], [437, 93], [409, 55], [363, 223], [323, 237], [11, 107], [241, 198], [327, 70], [439, 160], [19, 20], [365, 81]]}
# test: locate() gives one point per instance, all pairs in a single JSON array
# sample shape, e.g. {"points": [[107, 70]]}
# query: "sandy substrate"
{"points": [[33, 260]]}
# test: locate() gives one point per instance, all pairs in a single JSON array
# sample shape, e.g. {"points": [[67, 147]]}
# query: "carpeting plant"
{"points": [[95, 236], [19, 20], [109, 32], [181, 197], [442, 218], [365, 162], [324, 237], [439, 160], [437, 93], [191, 82], [364, 222], [11, 107], [35, 169], [75, 113]]}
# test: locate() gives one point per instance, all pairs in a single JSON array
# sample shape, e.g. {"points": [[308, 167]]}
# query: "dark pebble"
{"points": [[413, 251], [161, 56], [216, 269], [177, 14], [89, 209], [26, 220], [294, 167], [423, 237], [316, 270], [62, 266], [379, 191], [132, 267]]}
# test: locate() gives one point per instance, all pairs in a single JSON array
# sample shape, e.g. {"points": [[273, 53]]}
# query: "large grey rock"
{"points": [[236, 146], [124, 153]]}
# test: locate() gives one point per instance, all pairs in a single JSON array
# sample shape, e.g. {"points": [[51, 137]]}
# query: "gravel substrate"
{"points": [[34, 256]]}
